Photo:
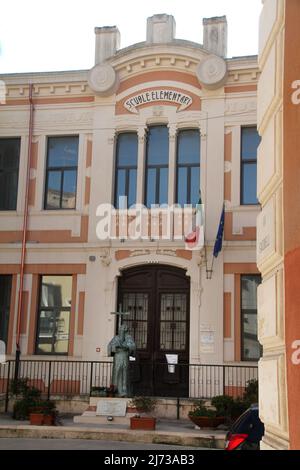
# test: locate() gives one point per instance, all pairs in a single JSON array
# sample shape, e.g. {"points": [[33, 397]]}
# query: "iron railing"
{"points": [[69, 379]]}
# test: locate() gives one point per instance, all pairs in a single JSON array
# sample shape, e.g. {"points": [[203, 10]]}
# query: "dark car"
{"points": [[246, 432]]}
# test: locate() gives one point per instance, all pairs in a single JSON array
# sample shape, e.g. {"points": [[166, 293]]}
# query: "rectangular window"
{"points": [[157, 167], [251, 349], [126, 168], [61, 173], [54, 315], [250, 140], [188, 167], [5, 293], [9, 173]]}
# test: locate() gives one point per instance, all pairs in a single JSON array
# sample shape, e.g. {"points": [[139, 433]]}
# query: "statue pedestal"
{"points": [[106, 411]]}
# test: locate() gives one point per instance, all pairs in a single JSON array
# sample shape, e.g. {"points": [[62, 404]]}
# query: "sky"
{"points": [[51, 35]]}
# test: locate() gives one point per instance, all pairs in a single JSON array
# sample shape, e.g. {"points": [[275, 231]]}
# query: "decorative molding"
{"points": [[46, 119], [212, 72], [142, 135], [241, 106], [172, 132], [103, 79], [105, 258], [157, 111], [111, 138]]}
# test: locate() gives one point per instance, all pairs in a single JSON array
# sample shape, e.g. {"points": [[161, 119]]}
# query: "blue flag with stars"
{"points": [[219, 239]]}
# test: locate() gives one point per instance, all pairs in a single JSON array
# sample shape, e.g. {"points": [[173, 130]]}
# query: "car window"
{"points": [[242, 424]]}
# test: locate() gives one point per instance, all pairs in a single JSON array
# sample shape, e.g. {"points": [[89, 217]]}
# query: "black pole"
{"points": [[17, 363]]}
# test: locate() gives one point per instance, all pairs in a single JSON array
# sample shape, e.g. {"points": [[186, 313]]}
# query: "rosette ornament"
{"points": [[212, 72], [103, 80]]}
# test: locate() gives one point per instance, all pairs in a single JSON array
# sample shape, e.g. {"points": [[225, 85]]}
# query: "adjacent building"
{"points": [[278, 224]]}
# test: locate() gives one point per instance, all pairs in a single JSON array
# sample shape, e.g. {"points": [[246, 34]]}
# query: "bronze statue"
{"points": [[121, 347]]}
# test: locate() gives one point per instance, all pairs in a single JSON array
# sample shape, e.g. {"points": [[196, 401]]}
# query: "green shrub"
{"points": [[30, 400], [143, 404], [238, 408], [200, 409], [251, 392], [223, 405]]}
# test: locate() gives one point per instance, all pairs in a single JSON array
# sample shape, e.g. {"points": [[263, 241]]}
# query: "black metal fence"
{"points": [[70, 379]]}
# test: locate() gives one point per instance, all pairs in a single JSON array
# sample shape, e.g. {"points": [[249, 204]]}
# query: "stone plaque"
{"points": [[111, 407], [266, 232], [207, 342]]}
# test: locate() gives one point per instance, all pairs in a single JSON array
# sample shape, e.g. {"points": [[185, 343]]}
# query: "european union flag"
{"points": [[219, 239]]}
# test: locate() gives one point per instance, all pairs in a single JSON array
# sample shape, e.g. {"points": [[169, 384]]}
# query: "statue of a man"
{"points": [[121, 347]]}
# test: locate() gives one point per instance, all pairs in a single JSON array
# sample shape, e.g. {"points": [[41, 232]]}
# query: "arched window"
{"points": [[157, 166], [126, 168], [188, 167]]}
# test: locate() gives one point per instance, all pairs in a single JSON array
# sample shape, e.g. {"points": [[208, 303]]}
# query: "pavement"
{"points": [[85, 444], [168, 432]]}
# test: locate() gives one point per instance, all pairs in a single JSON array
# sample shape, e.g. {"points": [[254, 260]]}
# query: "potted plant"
{"points": [[49, 413], [206, 417], [30, 405], [142, 420], [27, 400], [98, 392], [111, 391]]}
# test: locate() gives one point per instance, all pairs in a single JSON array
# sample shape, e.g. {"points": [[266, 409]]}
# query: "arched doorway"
{"points": [[157, 298]]}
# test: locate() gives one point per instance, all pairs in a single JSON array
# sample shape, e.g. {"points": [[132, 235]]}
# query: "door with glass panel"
{"points": [[157, 301]]}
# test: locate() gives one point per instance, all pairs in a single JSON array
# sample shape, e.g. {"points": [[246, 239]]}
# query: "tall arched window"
{"points": [[157, 167], [188, 167], [126, 168]]}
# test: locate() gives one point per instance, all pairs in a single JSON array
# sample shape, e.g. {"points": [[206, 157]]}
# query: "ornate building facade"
{"points": [[156, 122]]}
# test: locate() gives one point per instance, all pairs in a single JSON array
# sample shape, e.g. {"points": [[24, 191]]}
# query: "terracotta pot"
{"points": [[48, 420], [131, 409], [36, 419], [145, 423], [207, 422]]}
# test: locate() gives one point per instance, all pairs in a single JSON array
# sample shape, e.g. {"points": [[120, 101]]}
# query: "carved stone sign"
{"points": [[207, 342], [266, 232], [111, 407], [154, 96]]}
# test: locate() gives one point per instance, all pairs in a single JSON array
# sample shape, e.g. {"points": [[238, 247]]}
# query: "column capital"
{"points": [[141, 134], [172, 131], [111, 138]]}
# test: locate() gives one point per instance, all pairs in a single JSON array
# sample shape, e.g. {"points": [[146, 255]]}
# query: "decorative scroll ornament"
{"points": [[102, 79], [212, 72], [178, 98]]}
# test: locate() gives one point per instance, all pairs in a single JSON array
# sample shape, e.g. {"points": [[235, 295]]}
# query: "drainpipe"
{"points": [[24, 231]]}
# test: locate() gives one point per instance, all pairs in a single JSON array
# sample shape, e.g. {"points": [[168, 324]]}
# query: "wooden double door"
{"points": [[157, 299]]}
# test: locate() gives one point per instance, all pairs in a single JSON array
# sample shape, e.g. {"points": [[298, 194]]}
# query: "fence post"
{"points": [[224, 379], [49, 380], [178, 408], [91, 378], [7, 388]]}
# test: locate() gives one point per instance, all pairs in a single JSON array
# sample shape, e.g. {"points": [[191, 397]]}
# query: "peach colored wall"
{"points": [[33, 314], [24, 314], [80, 323], [84, 99], [249, 233], [156, 76], [228, 174], [48, 236], [292, 214], [237, 318], [12, 313], [227, 314], [240, 89]]}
